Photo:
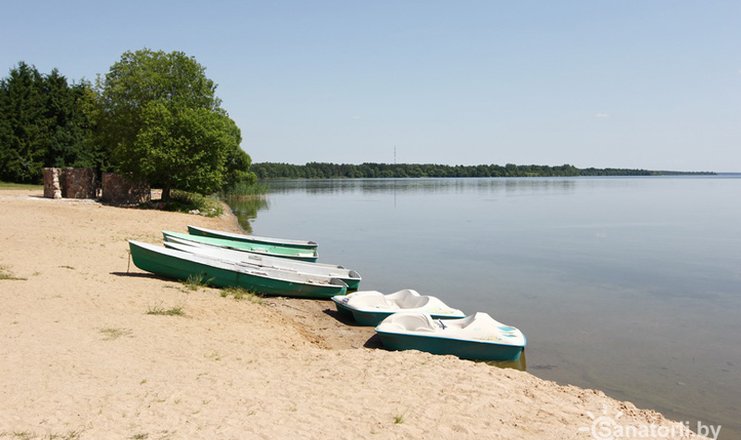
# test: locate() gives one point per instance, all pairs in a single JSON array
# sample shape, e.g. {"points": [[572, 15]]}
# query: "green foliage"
{"points": [[183, 201], [196, 281], [237, 175], [315, 170], [45, 121], [186, 148], [166, 126]]}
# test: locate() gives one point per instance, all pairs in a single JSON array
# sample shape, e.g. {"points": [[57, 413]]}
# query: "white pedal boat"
{"points": [[371, 307], [475, 337]]}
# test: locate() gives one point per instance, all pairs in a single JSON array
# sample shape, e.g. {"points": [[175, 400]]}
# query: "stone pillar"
{"points": [[79, 183], [121, 190], [52, 183]]}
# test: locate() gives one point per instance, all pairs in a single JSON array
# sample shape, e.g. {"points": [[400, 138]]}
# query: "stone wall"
{"points": [[78, 183], [121, 190], [52, 183]]}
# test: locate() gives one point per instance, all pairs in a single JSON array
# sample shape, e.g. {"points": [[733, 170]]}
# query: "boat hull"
{"points": [[372, 319], [343, 310], [181, 269], [251, 238], [472, 350], [260, 249]]}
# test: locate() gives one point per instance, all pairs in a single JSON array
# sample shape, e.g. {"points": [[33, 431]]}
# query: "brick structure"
{"points": [[121, 190], [52, 183], [78, 183]]}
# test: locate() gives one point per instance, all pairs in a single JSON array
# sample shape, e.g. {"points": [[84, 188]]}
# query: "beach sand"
{"points": [[81, 358]]}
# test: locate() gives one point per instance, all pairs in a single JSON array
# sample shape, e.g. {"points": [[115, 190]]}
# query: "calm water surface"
{"points": [[628, 285]]}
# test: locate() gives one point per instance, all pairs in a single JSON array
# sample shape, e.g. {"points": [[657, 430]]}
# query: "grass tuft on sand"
{"points": [[239, 294], [111, 333], [5, 274], [161, 311], [196, 282]]}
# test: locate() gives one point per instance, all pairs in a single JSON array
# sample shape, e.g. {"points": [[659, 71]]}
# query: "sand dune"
{"points": [[81, 358]]}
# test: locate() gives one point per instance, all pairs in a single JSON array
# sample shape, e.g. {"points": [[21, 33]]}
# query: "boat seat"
{"points": [[412, 302], [413, 322], [370, 299]]}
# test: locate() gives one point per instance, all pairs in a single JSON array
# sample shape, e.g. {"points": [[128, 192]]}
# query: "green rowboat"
{"points": [[179, 265], [262, 249], [350, 277], [283, 242]]}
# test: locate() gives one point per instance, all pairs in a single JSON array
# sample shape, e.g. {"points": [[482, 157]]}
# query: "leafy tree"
{"points": [[237, 165], [164, 123]]}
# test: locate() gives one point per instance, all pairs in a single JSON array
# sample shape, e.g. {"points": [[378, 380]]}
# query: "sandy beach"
{"points": [[80, 358]]}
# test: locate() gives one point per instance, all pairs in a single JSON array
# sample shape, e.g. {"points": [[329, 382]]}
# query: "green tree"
{"points": [[71, 113], [23, 132], [164, 123], [44, 121]]}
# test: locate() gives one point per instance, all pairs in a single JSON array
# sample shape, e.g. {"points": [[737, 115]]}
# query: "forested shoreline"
{"points": [[320, 170]]}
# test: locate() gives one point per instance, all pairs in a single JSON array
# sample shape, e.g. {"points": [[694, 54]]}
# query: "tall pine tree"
{"points": [[45, 121]]}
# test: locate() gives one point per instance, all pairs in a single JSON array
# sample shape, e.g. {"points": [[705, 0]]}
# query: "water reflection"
{"points": [[519, 364], [451, 185], [245, 207]]}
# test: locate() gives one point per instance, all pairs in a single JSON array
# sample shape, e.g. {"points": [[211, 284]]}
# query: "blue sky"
{"points": [[649, 84]]}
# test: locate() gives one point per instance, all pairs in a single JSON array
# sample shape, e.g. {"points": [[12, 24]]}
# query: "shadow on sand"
{"points": [[138, 275]]}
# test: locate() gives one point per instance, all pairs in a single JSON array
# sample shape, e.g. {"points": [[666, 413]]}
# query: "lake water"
{"points": [[628, 285]]}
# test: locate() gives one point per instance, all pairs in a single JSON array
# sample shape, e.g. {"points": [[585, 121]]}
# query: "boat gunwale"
{"points": [[401, 310], [257, 238], [313, 256]]}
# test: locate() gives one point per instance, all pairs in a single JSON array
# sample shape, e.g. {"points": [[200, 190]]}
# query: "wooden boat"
{"points": [[180, 265], [371, 307], [299, 244], [243, 246], [350, 277], [475, 337]]}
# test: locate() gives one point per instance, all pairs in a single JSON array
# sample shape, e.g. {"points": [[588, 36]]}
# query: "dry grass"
{"points": [[161, 311], [239, 294], [110, 333], [8, 185], [5, 274]]}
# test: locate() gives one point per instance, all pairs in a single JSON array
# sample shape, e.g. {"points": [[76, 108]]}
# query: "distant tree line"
{"points": [[320, 170], [153, 116]]}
